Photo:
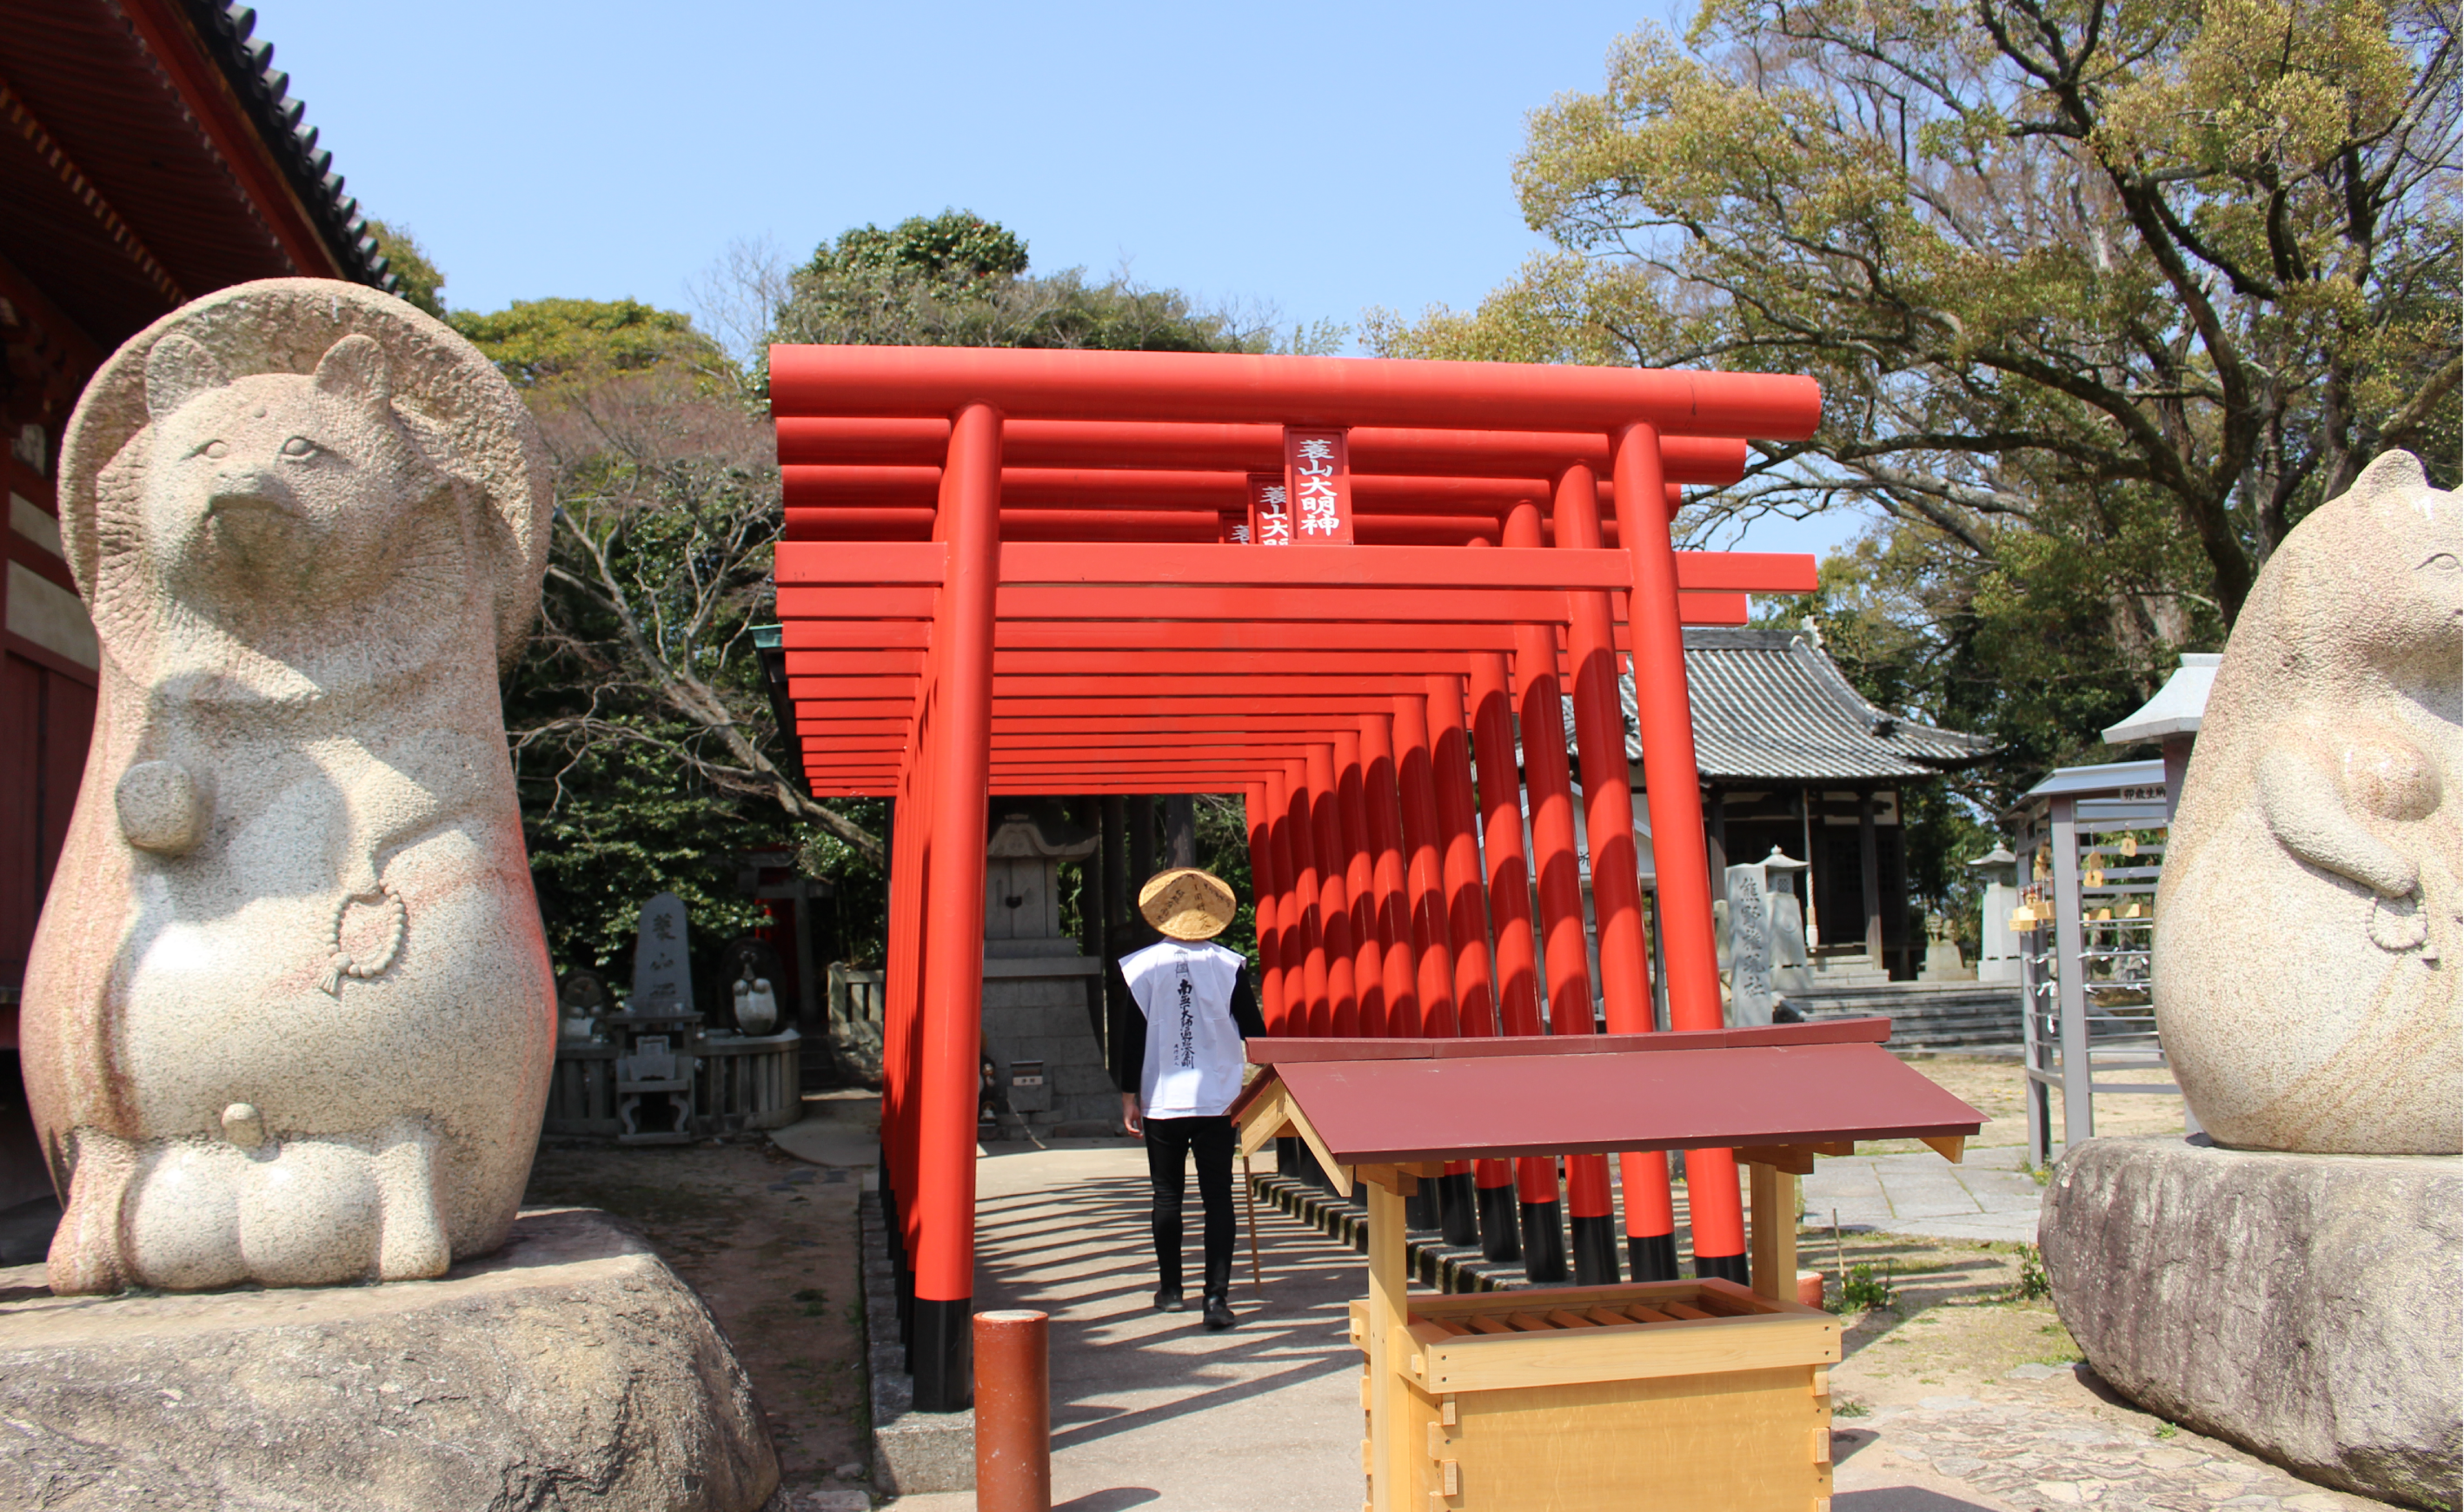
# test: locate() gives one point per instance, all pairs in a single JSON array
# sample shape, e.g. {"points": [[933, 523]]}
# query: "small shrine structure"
{"points": [[1335, 588]]}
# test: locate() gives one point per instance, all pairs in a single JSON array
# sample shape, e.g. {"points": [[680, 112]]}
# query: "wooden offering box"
{"points": [[1665, 1395], [1672, 1396]]}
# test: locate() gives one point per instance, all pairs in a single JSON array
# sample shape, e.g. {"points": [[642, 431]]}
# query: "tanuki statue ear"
{"points": [[354, 367], [176, 371]]}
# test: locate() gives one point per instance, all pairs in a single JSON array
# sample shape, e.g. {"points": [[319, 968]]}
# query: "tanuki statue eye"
{"points": [[300, 446], [213, 449]]}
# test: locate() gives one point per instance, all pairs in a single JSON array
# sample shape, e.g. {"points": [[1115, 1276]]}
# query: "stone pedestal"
{"points": [[2304, 1306], [570, 1370]]}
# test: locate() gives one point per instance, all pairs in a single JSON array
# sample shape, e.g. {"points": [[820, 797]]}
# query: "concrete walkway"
{"points": [[1986, 1196], [1148, 1407], [1151, 1411]]}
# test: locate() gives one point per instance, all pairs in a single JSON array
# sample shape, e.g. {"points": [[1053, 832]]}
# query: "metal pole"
{"points": [[1013, 1412], [2079, 1094]]}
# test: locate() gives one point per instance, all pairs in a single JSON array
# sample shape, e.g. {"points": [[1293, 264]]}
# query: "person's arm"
{"points": [[1129, 1048], [1128, 1034], [1245, 1017]]}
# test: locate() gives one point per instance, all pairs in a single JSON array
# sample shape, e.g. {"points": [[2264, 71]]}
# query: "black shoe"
{"points": [[1219, 1313], [1168, 1299]]}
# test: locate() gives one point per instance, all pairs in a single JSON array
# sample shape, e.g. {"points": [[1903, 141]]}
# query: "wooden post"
{"points": [[1775, 1230], [1389, 1314]]}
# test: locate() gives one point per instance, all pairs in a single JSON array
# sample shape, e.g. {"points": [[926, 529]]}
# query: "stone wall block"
{"points": [[2308, 1307]]}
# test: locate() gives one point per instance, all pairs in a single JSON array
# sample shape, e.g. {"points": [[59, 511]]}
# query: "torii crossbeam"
{"points": [[1338, 587]]}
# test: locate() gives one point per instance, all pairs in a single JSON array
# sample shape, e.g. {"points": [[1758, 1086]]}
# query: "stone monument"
{"points": [[2290, 1279], [288, 1018], [1038, 1030], [1998, 951], [662, 962]]}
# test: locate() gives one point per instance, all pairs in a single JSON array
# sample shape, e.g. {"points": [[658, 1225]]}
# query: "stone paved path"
{"points": [[1986, 1196], [2048, 1442]]}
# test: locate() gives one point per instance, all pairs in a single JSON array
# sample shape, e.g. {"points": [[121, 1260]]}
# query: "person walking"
{"points": [[1182, 1066]]}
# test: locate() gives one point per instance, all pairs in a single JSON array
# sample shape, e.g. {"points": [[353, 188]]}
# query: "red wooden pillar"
{"points": [[1254, 811], [1423, 880], [1359, 887], [1475, 991], [1457, 1214], [953, 955], [1315, 1012], [1534, 1204], [1670, 780], [1616, 888], [1333, 901], [1381, 808], [1589, 1201]]}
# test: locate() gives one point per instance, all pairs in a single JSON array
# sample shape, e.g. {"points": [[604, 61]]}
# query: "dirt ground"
{"points": [[770, 1244]]}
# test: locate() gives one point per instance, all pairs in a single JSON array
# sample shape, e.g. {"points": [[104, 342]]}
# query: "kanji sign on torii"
{"points": [[1008, 572]]}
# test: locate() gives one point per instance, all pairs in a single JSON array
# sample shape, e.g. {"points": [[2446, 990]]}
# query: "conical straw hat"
{"points": [[1187, 904]]}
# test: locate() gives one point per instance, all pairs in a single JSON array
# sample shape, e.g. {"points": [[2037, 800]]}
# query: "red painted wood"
{"points": [[1221, 387], [917, 442]]}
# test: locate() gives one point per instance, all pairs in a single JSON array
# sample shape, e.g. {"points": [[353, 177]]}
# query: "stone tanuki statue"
{"points": [[2307, 960], [288, 1016]]}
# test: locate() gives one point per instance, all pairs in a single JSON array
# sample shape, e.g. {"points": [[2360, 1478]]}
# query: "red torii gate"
{"points": [[1004, 572]]}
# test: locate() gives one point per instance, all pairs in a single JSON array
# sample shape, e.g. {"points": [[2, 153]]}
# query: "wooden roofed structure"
{"points": [[1335, 588]]}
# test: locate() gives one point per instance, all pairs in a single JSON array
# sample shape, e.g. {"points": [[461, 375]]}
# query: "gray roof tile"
{"points": [[1770, 705]]}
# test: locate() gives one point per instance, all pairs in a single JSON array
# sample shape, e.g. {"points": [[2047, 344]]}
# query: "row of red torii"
{"points": [[1030, 572]]}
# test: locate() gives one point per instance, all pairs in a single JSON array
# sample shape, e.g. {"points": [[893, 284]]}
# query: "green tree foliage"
{"points": [[956, 279], [2103, 298], [642, 736], [423, 287]]}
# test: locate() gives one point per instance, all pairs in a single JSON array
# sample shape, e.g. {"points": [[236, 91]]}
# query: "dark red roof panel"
{"points": [[1466, 1108]]}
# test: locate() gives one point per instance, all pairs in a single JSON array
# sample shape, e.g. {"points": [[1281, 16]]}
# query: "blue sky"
{"points": [[1318, 158]]}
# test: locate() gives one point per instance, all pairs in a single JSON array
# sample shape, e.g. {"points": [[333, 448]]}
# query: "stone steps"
{"points": [[1926, 1016]]}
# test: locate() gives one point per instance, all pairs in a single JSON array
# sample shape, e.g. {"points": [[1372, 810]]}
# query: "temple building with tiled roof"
{"points": [[1792, 757]]}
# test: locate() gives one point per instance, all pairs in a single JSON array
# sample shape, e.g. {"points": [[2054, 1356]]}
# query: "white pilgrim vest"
{"points": [[1193, 1054]]}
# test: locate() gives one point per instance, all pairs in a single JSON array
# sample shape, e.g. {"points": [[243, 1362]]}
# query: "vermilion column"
{"points": [[1333, 901], [1254, 809], [1380, 806], [1359, 884], [1616, 888], [1564, 948], [1315, 1012], [953, 955], [1423, 882], [1458, 1212], [1669, 781], [1475, 990], [1534, 1203]]}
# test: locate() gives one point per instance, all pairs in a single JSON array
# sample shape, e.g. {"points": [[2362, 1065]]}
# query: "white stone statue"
{"points": [[2307, 955], [288, 1016]]}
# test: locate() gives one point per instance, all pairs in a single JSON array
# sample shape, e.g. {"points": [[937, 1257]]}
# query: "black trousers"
{"points": [[1169, 1142]]}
